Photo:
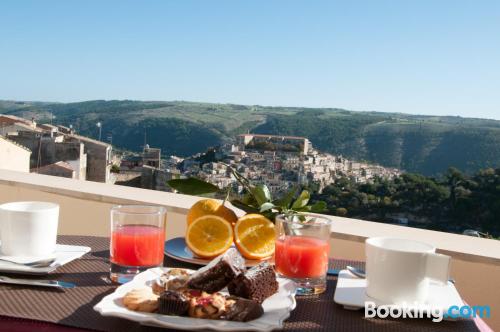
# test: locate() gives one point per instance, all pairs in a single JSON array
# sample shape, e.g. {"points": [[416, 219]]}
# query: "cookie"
{"points": [[142, 299]]}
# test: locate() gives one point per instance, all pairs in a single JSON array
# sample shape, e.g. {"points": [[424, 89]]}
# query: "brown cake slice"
{"points": [[256, 284], [242, 310], [218, 273]]}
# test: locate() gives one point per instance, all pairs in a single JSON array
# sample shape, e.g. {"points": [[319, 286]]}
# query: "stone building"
{"points": [[89, 158], [48, 148], [156, 179], [259, 142], [98, 157], [151, 157]]}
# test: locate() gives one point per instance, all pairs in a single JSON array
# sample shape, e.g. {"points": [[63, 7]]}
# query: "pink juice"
{"points": [[137, 245], [302, 257]]}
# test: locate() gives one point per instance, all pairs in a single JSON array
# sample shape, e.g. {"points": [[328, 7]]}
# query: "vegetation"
{"points": [[115, 168], [454, 202], [420, 144]]}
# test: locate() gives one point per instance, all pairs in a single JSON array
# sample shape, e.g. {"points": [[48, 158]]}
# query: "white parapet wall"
{"points": [[85, 210]]}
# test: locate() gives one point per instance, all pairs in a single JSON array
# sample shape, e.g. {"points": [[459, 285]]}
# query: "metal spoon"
{"points": [[46, 262], [362, 274], [357, 272]]}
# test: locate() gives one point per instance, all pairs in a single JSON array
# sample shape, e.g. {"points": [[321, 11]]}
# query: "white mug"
{"points": [[399, 270], [28, 228]]}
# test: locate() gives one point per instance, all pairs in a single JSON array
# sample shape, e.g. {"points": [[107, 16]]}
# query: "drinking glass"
{"points": [[302, 247], [137, 240]]}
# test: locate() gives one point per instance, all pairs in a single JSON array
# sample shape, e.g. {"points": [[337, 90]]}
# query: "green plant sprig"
{"points": [[255, 199]]}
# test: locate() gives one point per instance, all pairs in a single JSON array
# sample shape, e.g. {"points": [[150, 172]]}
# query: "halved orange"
{"points": [[210, 206], [209, 236], [254, 236]]}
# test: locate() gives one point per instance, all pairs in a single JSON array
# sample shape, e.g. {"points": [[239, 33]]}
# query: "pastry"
{"points": [[258, 283], [208, 306], [218, 273], [173, 303], [173, 279], [242, 310], [142, 299], [176, 272]]}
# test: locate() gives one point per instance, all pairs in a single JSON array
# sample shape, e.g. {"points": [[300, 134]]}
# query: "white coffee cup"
{"points": [[399, 270], [28, 228]]}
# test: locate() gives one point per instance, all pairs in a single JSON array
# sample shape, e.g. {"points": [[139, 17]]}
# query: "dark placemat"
{"points": [[74, 307]]}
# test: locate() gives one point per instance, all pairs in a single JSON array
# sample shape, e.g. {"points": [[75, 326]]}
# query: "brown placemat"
{"points": [[74, 307]]}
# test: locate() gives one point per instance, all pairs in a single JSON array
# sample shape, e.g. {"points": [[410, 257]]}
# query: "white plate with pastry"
{"points": [[242, 305]]}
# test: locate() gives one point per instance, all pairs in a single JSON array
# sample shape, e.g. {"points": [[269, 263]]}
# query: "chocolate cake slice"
{"points": [[256, 284], [242, 310], [218, 273]]}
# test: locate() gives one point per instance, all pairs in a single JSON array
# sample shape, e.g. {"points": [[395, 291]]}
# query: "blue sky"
{"points": [[426, 57]]}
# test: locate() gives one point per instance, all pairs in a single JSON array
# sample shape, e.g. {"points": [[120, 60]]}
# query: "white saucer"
{"points": [[63, 254], [177, 248], [351, 293]]}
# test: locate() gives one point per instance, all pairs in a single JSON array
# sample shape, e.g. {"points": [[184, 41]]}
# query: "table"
{"points": [[43, 309]]}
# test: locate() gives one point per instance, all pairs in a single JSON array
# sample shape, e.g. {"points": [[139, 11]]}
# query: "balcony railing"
{"points": [[85, 210]]}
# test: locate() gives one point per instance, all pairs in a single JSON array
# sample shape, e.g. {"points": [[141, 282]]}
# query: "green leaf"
{"points": [[261, 194], [287, 199], [245, 207], [306, 208], [318, 207], [301, 201], [266, 206], [192, 186], [248, 199]]}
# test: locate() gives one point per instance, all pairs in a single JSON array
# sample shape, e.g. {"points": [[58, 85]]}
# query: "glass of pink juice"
{"points": [[302, 248], [137, 240]]}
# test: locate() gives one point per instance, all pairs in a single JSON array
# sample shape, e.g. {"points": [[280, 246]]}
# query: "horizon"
{"points": [[259, 105], [426, 58]]}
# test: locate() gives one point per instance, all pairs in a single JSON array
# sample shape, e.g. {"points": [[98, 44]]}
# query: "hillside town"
{"points": [[280, 162]]}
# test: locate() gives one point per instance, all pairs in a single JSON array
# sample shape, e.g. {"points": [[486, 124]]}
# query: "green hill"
{"points": [[423, 144]]}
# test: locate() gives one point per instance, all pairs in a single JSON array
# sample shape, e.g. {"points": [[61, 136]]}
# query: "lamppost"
{"points": [[99, 125]]}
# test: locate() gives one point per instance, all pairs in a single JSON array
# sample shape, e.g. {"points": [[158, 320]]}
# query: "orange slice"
{"points": [[210, 206], [209, 236], [254, 236]]}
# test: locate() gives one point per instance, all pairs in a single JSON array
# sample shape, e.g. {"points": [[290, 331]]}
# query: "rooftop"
{"points": [[87, 139], [14, 143], [14, 119], [25, 126], [59, 164]]}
